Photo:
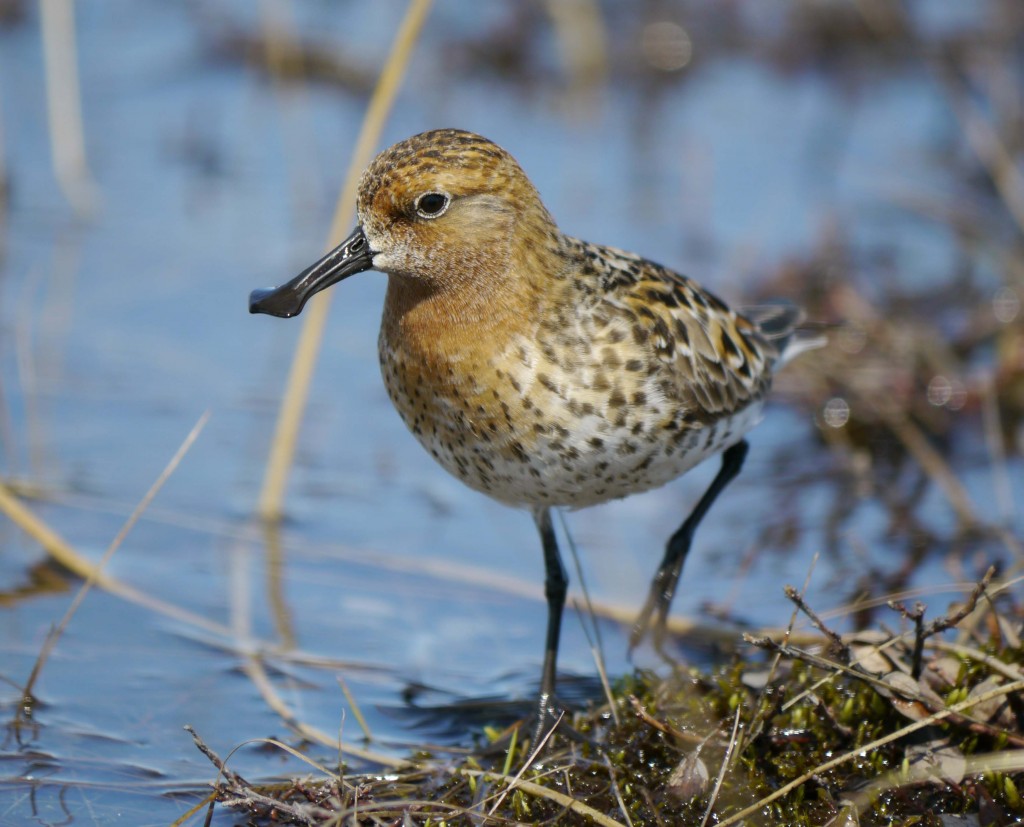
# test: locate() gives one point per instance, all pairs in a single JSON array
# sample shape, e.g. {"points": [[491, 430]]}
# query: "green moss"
{"points": [[805, 717]]}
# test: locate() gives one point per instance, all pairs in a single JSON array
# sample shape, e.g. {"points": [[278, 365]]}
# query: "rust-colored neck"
{"points": [[445, 314], [494, 299]]}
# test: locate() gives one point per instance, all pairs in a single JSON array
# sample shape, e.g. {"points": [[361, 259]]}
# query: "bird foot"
{"points": [[550, 718], [549, 721], [651, 622]]}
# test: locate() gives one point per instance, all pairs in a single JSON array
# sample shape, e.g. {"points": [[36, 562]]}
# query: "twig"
{"points": [[941, 624], [835, 639], [650, 720], [992, 427], [915, 615], [987, 145], [853, 670], [930, 460], [232, 777], [762, 709], [245, 795]]}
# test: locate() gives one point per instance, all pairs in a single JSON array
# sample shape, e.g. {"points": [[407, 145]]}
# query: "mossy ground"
{"points": [[862, 731]]}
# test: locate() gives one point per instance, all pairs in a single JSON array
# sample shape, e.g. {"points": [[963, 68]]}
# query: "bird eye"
{"points": [[432, 204]]}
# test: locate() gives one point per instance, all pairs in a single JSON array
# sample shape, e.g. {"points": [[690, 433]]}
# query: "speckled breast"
{"points": [[526, 433]]}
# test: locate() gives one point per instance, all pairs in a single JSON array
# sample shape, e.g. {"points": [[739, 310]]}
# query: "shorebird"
{"points": [[540, 369]]}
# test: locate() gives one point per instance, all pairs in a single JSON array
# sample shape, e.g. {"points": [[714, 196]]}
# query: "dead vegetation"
{"points": [[874, 727]]}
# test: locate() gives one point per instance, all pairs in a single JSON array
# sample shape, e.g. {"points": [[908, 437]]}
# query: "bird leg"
{"points": [[653, 615], [555, 585]]}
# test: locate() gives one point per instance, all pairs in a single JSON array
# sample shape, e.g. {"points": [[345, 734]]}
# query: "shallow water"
{"points": [[117, 332]]}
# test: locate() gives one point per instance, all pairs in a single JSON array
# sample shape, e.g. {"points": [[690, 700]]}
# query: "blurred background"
{"points": [[158, 161]]}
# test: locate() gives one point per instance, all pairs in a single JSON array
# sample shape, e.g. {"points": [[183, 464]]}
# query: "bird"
{"points": [[542, 370]]}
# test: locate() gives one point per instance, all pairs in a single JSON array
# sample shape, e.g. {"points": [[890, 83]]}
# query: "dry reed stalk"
{"points": [[280, 611], [255, 671], [64, 103], [54, 545], [538, 791], [583, 41], [293, 403], [357, 710]]}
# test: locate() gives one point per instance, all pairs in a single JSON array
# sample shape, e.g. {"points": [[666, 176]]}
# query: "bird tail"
{"points": [[780, 323]]}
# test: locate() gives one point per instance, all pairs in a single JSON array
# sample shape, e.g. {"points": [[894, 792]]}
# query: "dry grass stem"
{"points": [[254, 670], [730, 750], [617, 792], [356, 709], [1007, 670], [63, 99], [762, 708], [7, 441], [207, 803], [583, 41], [661, 726], [538, 791], [988, 145], [293, 403], [53, 544], [95, 572], [537, 750], [280, 611], [931, 461], [606, 686], [588, 620]]}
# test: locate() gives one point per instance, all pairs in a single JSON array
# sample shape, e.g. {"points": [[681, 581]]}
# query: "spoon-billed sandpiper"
{"points": [[540, 369]]}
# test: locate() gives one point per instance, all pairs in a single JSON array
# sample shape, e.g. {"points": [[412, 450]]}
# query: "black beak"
{"points": [[351, 256]]}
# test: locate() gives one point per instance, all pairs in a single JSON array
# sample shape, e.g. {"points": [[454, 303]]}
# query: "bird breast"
{"points": [[571, 412]]}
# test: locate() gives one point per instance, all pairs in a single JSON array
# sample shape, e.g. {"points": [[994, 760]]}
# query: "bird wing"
{"points": [[706, 356]]}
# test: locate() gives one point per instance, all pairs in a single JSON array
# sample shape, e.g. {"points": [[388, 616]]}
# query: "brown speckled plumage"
{"points": [[541, 369], [537, 368]]}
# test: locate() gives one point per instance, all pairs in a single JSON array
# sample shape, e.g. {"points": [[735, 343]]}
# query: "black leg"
{"points": [[653, 615], [555, 586]]}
